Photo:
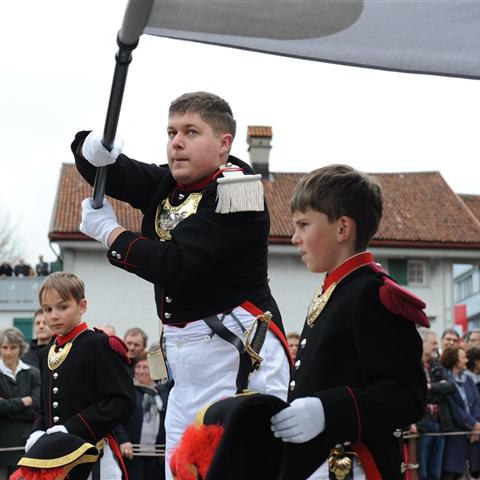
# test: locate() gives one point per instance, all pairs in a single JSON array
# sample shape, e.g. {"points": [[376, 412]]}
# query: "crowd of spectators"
{"points": [[452, 370], [22, 269], [141, 438]]}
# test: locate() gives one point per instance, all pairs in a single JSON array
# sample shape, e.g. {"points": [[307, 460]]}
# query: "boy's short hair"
{"points": [[338, 190], [67, 285], [213, 110]]}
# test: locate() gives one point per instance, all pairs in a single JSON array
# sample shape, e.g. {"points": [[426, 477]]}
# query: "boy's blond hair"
{"points": [[67, 285]]}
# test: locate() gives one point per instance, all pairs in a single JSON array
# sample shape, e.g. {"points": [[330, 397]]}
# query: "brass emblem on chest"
{"points": [[318, 304], [55, 359], [169, 216]]}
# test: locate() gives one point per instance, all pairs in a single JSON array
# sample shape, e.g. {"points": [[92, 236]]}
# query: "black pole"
{"points": [[122, 61]]}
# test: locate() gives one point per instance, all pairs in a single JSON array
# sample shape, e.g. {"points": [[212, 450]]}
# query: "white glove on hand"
{"points": [[303, 420], [94, 151], [34, 436], [98, 223], [57, 428]]}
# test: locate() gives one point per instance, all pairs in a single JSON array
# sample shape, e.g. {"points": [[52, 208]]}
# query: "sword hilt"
{"points": [[254, 347]]}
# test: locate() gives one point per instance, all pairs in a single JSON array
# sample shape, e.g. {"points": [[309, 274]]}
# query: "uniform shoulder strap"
{"points": [[399, 300], [116, 344]]}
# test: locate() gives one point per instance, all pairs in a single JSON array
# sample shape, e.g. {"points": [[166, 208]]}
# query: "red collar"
{"points": [[61, 340], [203, 183], [347, 267], [200, 185]]}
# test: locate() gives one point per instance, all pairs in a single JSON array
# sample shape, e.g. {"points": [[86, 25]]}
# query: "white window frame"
{"points": [[423, 268]]}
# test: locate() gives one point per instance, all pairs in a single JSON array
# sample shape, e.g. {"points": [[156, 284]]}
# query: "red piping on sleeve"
{"points": [[88, 426], [357, 411]]}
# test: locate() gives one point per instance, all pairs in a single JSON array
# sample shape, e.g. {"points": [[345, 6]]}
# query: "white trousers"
{"points": [[205, 369], [109, 468]]}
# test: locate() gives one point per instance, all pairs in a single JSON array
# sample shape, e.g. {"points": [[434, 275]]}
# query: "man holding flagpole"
{"points": [[204, 248]]}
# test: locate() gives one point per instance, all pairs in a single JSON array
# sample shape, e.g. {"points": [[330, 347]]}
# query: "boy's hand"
{"points": [[126, 450], [303, 420], [98, 223], [34, 436], [94, 151]]}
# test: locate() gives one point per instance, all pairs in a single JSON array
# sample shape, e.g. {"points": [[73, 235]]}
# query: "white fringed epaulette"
{"points": [[237, 192]]}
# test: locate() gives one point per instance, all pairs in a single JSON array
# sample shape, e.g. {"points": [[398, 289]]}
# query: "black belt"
{"points": [[224, 333]]}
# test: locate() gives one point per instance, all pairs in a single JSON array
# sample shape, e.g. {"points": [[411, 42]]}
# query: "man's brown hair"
{"points": [[67, 285], [340, 190], [213, 109]]}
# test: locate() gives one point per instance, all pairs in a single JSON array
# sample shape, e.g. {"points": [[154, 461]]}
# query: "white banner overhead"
{"points": [[439, 37]]}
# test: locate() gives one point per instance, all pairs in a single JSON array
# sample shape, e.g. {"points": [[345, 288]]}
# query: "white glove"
{"points": [[94, 151], [303, 420], [98, 223], [57, 428], [34, 436]]}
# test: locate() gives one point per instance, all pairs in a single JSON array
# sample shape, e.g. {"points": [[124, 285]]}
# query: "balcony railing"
{"points": [[18, 294]]}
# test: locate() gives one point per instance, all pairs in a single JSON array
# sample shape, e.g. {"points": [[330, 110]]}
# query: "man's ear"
{"points": [[83, 305], [347, 229], [226, 140]]}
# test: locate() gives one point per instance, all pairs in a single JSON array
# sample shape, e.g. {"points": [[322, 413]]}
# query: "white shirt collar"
{"points": [[6, 371]]}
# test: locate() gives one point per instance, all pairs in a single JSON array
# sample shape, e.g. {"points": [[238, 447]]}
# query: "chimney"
{"points": [[259, 139]]}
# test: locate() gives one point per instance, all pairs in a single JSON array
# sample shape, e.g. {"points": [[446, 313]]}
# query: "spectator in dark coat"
{"points": [[19, 397], [42, 337], [41, 267], [465, 408], [473, 365], [145, 426], [6, 270], [436, 417], [22, 269]]}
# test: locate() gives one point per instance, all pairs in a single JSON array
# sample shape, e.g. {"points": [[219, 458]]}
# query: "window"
{"points": [[465, 287], [416, 272]]}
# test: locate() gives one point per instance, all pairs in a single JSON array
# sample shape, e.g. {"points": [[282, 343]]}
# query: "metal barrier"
{"points": [[139, 450]]}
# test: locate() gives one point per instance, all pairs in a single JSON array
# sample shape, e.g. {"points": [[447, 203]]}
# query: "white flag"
{"points": [[422, 36]]}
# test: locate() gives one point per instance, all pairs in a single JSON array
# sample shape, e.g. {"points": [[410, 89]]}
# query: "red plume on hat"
{"points": [[227, 432]]}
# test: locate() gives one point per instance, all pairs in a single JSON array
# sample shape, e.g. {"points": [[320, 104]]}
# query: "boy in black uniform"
{"points": [[358, 375], [204, 248], [87, 388]]}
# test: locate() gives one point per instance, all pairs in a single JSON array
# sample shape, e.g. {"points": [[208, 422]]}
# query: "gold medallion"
{"points": [[169, 216], [318, 303], [55, 359], [340, 463]]}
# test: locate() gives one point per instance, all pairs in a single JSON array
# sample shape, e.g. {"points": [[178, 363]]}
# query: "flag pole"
{"points": [[134, 21]]}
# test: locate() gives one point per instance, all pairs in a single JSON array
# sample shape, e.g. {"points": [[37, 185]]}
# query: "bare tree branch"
{"points": [[10, 246]]}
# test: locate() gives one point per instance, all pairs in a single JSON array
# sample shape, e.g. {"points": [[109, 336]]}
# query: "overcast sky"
{"points": [[56, 69]]}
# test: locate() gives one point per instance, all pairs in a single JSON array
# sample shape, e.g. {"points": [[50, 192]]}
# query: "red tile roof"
{"points": [[472, 202], [420, 210], [259, 131]]}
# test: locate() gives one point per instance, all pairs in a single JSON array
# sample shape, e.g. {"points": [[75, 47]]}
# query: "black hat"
{"points": [[231, 440], [56, 455]]}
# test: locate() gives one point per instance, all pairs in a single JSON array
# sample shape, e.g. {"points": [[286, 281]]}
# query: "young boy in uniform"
{"points": [[204, 248], [87, 388], [358, 375]]}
